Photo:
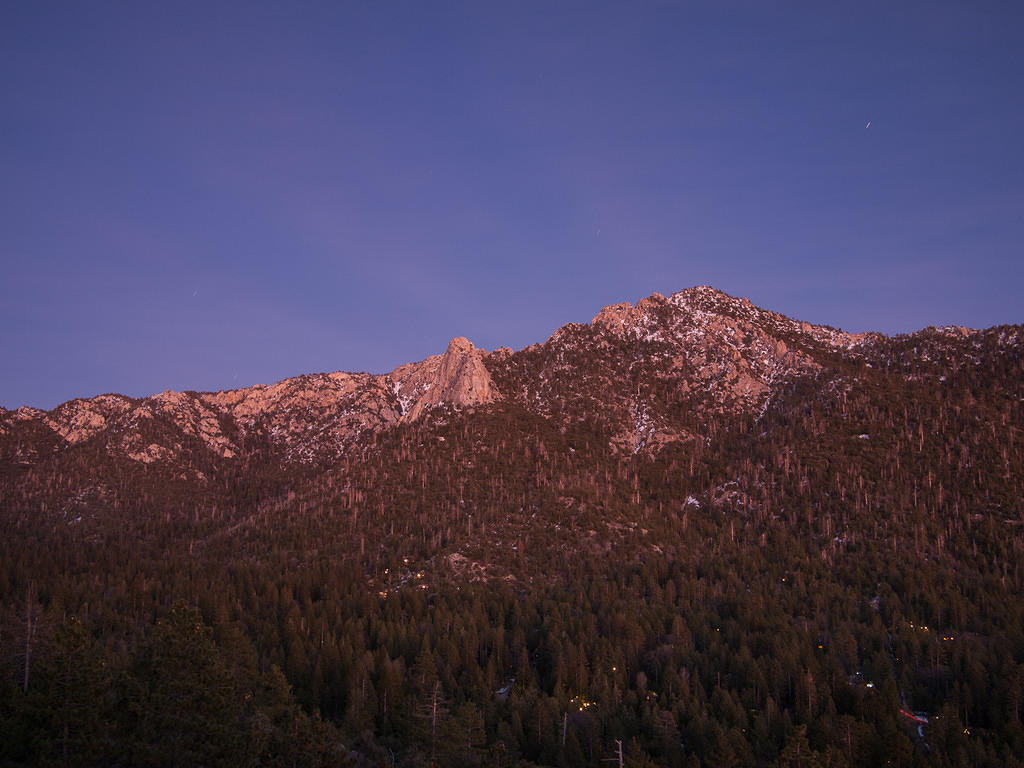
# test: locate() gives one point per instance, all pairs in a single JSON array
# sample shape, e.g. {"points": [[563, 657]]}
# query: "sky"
{"points": [[211, 195]]}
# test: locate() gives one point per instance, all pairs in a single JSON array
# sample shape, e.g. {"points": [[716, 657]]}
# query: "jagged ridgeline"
{"points": [[700, 529]]}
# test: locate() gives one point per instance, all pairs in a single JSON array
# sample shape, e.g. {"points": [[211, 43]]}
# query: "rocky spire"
{"points": [[458, 377]]}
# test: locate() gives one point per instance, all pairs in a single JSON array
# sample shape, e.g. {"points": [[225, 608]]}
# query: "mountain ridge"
{"points": [[717, 352]]}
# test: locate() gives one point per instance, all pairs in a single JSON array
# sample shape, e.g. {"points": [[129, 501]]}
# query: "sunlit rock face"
{"points": [[458, 378]]}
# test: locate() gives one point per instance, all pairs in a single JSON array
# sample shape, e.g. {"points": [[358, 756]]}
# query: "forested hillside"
{"points": [[693, 530]]}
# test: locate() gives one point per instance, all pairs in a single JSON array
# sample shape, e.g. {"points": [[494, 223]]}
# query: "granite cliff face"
{"points": [[653, 373], [458, 378]]}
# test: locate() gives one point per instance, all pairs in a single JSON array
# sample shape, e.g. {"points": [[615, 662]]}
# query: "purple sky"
{"points": [[212, 195]]}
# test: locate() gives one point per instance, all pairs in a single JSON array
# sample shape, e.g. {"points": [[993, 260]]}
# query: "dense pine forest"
{"points": [[827, 576]]}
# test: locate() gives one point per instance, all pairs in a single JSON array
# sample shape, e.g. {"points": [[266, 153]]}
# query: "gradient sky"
{"points": [[211, 195]]}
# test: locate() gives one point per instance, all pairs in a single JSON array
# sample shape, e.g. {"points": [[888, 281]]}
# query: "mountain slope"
{"points": [[708, 531]]}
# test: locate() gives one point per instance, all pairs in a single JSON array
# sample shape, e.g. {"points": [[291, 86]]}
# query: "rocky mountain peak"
{"points": [[458, 377], [709, 306], [613, 315], [619, 318], [460, 345], [705, 299]]}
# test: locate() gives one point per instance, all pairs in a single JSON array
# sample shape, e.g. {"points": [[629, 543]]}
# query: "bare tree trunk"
{"points": [[433, 721], [30, 631]]}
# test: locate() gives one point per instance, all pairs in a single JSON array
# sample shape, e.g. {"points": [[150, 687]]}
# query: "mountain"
{"points": [[652, 374], [638, 368], [307, 418], [718, 534]]}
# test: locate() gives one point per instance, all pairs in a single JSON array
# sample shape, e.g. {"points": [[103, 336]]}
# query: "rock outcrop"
{"points": [[458, 377]]}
